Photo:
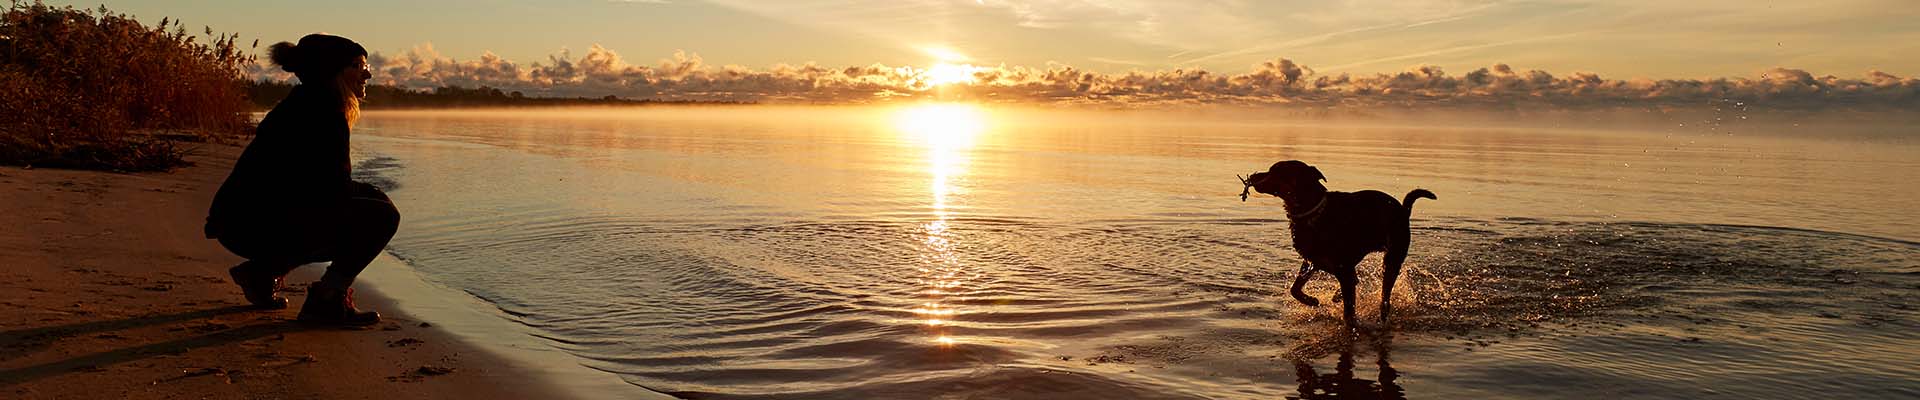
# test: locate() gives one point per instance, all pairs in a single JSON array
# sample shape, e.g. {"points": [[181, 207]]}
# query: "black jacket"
{"points": [[294, 175]]}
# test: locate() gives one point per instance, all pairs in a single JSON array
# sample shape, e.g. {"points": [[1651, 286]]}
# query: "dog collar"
{"points": [[1308, 216]]}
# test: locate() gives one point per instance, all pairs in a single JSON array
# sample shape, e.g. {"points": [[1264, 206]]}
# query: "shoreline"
{"points": [[393, 283], [113, 292]]}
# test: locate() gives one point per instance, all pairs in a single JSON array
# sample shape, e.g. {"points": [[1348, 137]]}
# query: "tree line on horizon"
{"points": [[264, 93]]}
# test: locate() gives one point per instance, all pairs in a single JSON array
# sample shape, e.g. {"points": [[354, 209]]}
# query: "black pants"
{"points": [[350, 238]]}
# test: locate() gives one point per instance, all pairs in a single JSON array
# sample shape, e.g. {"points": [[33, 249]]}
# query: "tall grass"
{"points": [[92, 88]]}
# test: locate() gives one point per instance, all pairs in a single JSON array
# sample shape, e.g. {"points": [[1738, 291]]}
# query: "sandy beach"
{"points": [[110, 291]]}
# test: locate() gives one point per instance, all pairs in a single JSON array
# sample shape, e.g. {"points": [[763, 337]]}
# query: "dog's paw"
{"points": [[1309, 301]]}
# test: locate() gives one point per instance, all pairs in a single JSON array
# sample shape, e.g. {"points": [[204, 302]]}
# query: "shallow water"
{"points": [[950, 251]]}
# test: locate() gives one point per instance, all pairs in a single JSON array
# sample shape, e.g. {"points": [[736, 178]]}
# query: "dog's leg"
{"points": [[1389, 272], [1300, 283], [1348, 281]]}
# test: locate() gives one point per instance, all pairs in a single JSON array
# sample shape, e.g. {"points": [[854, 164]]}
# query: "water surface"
{"points": [[956, 251]]}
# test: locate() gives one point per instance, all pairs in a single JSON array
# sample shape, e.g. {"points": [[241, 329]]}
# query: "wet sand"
{"points": [[110, 291]]}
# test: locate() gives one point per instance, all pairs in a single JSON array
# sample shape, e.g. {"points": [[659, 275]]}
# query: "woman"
{"points": [[289, 200]]}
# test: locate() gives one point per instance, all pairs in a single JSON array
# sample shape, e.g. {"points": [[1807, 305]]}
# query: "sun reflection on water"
{"points": [[946, 131]]}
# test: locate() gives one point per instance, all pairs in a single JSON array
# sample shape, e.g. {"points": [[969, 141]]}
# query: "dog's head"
{"points": [[1285, 177]]}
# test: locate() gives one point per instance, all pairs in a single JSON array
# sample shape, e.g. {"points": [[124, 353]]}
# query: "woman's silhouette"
{"points": [[289, 200]]}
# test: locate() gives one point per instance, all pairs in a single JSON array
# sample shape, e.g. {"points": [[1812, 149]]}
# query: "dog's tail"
{"points": [[1416, 194]]}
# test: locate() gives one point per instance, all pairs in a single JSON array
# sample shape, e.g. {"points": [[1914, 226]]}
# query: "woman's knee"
{"points": [[388, 215], [363, 190], [376, 215]]}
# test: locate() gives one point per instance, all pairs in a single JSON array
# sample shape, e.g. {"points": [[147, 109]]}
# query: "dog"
{"points": [[1333, 231]]}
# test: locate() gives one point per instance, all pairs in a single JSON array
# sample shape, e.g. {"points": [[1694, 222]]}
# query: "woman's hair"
{"points": [[318, 60], [349, 103], [286, 55]]}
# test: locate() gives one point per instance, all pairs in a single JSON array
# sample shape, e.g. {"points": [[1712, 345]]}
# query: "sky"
{"points": [[431, 42], [1628, 38]]}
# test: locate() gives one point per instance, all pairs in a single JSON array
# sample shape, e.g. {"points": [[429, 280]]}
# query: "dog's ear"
{"points": [[1297, 171]]}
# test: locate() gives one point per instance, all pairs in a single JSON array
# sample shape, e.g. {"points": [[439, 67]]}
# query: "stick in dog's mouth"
{"points": [[1244, 186]]}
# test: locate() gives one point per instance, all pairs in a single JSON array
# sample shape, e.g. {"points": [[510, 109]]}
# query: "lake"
{"points": [[962, 251]]}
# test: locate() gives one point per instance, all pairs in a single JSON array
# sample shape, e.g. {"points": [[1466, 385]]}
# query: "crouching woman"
{"points": [[290, 201]]}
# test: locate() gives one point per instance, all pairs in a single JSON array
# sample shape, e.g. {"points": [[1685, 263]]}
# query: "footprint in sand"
{"points": [[419, 374], [284, 360]]}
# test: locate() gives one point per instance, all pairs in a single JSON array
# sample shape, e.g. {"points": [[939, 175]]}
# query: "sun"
{"points": [[941, 74]]}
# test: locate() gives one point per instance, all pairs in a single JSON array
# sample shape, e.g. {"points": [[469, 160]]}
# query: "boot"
{"points": [[258, 284], [334, 306]]}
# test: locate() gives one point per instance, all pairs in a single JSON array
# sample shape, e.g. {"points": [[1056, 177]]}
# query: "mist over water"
{"points": [[960, 251]]}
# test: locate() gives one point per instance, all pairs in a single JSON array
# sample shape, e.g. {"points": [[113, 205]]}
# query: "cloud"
{"points": [[1280, 81]]}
